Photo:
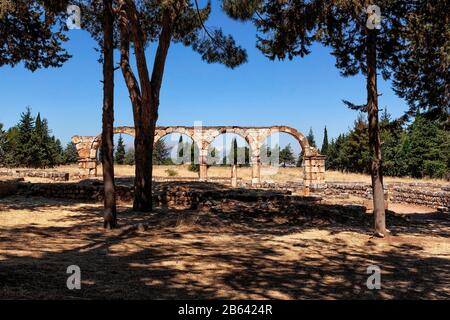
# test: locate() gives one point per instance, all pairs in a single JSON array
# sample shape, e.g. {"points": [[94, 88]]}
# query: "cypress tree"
{"points": [[120, 151], [180, 152], [325, 142]]}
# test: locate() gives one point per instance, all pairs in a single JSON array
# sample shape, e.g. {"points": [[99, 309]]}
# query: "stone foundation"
{"points": [[173, 195], [179, 191], [424, 194], [21, 173]]}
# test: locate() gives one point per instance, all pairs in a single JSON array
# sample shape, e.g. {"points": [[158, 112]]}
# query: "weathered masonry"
{"points": [[313, 165]]}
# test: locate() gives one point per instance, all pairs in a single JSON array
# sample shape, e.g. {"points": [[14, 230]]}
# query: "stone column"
{"points": [[87, 154], [203, 156], [256, 169], [314, 173], [234, 176]]}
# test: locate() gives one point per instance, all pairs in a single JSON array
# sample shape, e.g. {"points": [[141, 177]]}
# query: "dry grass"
{"points": [[195, 255], [267, 174]]}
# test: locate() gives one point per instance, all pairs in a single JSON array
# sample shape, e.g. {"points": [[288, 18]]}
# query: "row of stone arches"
{"points": [[203, 137]]}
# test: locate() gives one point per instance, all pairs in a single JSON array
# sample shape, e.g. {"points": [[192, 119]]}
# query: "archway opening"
{"points": [[175, 155], [281, 157], [227, 150], [123, 154]]}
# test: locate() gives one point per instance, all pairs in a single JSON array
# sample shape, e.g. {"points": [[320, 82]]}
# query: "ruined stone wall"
{"points": [[22, 173], [425, 194], [172, 195]]}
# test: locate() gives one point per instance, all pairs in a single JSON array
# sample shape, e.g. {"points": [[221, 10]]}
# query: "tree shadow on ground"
{"points": [[224, 252]]}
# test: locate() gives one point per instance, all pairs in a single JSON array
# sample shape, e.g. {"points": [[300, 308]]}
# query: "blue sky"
{"points": [[302, 93]]}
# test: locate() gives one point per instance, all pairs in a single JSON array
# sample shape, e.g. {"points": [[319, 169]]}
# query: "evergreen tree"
{"points": [[299, 159], [70, 153], [234, 152], [32, 32], [428, 148], [162, 23], [422, 71], [287, 156], [195, 167], [129, 157], [160, 152], [12, 137], [120, 151], [180, 150], [23, 152], [325, 142], [213, 156], [2, 145], [311, 139]]}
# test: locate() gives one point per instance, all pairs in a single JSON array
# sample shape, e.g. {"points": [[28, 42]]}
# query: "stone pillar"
{"points": [[256, 170], [203, 157], [314, 172], [234, 176], [88, 167], [87, 154]]}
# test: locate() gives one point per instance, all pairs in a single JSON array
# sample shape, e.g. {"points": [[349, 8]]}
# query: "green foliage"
{"points": [[29, 144], [3, 140], [129, 157], [187, 27], [311, 139], [287, 156], [427, 148], [180, 152], [172, 172], [119, 156], [325, 143], [70, 153], [161, 153], [32, 32], [422, 149]]}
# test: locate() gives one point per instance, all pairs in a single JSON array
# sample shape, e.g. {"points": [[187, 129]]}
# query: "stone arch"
{"points": [[95, 145], [161, 132], [314, 164], [307, 149]]}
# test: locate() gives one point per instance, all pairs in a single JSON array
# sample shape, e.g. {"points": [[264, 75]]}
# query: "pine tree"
{"points": [[422, 71], [161, 22], [23, 152], [70, 153], [32, 32], [311, 139], [362, 42], [129, 157], [120, 151], [287, 156], [428, 148], [325, 142], [160, 152]]}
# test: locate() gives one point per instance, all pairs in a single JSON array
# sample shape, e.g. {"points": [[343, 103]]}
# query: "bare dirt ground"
{"points": [[227, 254]]}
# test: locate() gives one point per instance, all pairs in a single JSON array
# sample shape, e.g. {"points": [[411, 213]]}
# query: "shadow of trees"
{"points": [[231, 250]]}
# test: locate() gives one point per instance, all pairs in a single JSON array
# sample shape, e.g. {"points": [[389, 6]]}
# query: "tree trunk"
{"points": [[144, 96], [110, 220], [143, 144], [374, 134]]}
